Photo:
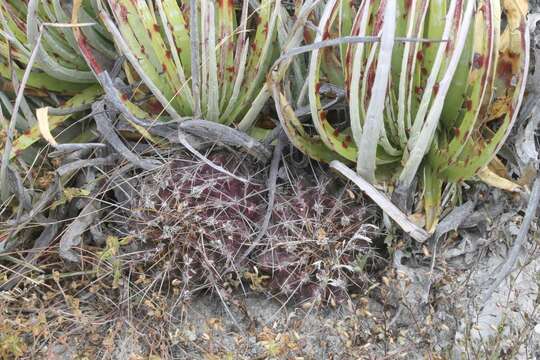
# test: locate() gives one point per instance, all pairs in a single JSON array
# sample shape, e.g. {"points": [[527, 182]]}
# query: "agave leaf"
{"points": [[138, 40], [252, 115], [213, 85], [240, 61], [43, 81], [422, 144], [346, 16], [436, 67], [55, 37], [339, 143], [62, 17], [480, 79], [460, 90], [143, 68], [166, 28], [226, 27], [54, 42], [310, 146], [510, 83], [357, 112], [51, 63], [95, 35], [180, 31], [261, 57], [367, 147], [195, 55], [409, 63], [13, 22], [238, 82], [330, 58], [163, 63], [16, 37]]}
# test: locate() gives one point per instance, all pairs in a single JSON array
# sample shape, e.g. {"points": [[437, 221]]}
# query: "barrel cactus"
{"points": [[318, 247]]}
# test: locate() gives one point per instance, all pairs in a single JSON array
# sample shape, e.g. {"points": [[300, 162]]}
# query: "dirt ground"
{"points": [[390, 321]]}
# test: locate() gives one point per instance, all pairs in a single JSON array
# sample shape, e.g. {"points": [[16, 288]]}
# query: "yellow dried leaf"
{"points": [[42, 115], [490, 178]]}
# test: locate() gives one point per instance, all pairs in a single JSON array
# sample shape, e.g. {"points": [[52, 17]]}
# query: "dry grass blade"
{"points": [[21, 222], [383, 202], [4, 191], [328, 43], [108, 132], [218, 133], [83, 163], [183, 140], [272, 185], [40, 244], [72, 235]]}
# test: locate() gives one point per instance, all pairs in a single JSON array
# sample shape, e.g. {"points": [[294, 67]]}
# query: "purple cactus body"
{"points": [[216, 217]]}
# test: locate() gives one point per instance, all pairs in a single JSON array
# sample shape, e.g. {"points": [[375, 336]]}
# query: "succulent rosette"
{"points": [[432, 88]]}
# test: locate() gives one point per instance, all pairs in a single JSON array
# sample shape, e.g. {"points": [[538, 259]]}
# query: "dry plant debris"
{"points": [[116, 243]]}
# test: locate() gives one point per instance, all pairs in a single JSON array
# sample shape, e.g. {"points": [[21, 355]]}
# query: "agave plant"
{"points": [[184, 58], [197, 58], [209, 60], [433, 89], [59, 66], [39, 54]]}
